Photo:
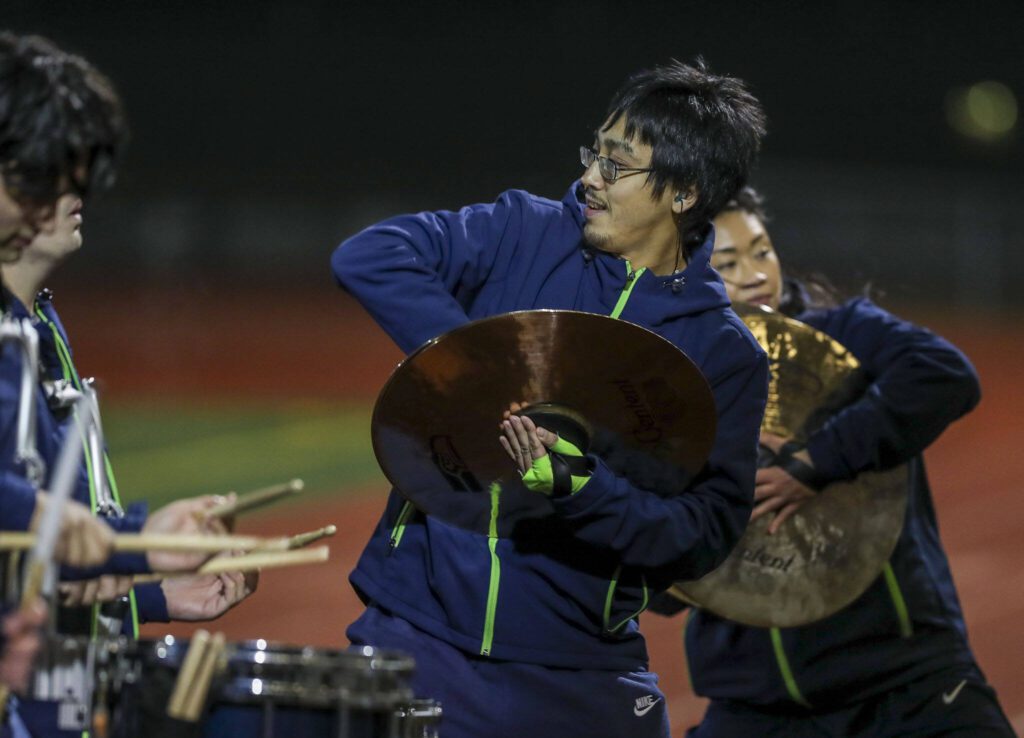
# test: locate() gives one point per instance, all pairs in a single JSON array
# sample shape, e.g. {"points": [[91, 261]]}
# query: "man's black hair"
{"points": [[61, 122], [705, 131]]}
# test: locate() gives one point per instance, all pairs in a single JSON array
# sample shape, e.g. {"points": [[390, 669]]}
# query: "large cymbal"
{"points": [[824, 556], [435, 425]]}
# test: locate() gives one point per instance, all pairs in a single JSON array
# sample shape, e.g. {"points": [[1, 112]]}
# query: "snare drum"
{"points": [[269, 690]]}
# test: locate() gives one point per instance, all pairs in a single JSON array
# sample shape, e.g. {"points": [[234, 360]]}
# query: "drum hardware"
{"points": [[60, 393], [96, 448], [419, 719], [256, 688], [21, 332]]}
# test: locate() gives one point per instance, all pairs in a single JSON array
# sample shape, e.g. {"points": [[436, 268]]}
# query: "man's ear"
{"points": [[684, 200]]}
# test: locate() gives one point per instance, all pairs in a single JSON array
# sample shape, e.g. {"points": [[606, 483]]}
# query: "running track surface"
{"points": [[317, 342]]}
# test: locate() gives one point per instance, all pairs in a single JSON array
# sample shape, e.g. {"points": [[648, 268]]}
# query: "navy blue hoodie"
{"points": [[568, 601], [17, 495], [908, 623]]}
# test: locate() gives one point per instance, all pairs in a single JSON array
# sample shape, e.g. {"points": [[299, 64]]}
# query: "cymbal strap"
{"points": [[798, 469], [563, 469]]}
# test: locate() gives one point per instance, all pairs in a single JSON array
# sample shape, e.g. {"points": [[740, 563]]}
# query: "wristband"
{"points": [[562, 471]]}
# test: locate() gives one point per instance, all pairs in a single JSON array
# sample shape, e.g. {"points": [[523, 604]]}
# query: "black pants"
{"points": [[945, 705]]}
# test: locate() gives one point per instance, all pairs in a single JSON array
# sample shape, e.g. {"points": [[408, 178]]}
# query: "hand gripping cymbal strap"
{"points": [[562, 471], [799, 470]]}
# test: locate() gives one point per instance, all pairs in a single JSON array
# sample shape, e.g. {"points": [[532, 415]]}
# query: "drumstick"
{"points": [[253, 499], [182, 685], [301, 540], [246, 562], [265, 560], [193, 706], [137, 542]]}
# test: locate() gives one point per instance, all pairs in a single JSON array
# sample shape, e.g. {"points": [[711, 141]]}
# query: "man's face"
{"points": [[621, 217], [745, 258], [16, 227]]}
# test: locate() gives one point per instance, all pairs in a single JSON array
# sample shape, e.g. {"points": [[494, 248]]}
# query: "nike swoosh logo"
{"points": [[641, 712], [948, 697]]}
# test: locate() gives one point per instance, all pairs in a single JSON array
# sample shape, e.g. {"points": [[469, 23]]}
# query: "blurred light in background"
{"points": [[985, 111]]}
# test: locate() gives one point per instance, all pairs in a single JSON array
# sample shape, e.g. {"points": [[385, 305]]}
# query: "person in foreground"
{"points": [[49, 145], [75, 111], [542, 639], [896, 661]]}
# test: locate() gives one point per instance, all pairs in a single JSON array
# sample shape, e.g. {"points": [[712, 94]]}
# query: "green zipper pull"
{"points": [[626, 289], [399, 530]]}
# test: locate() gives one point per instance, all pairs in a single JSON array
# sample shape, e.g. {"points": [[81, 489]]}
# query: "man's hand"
{"points": [[775, 489], [84, 539], [22, 643], [548, 464], [183, 517], [523, 441], [207, 596], [90, 591]]}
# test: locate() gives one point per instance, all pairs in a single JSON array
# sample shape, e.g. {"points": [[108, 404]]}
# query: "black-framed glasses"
{"points": [[608, 169]]}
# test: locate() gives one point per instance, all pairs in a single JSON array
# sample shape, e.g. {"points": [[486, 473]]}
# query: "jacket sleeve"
{"points": [[119, 563], [17, 501], [919, 384], [415, 274], [17, 495], [132, 522], [686, 534], [151, 603]]}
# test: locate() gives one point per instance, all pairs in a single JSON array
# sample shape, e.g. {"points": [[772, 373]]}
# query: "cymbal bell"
{"points": [[824, 556], [435, 425]]}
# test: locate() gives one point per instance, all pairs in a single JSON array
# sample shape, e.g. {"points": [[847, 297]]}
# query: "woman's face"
{"points": [[745, 258]]}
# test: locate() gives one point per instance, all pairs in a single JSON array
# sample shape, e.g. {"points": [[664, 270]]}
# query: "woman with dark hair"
{"points": [[895, 662]]}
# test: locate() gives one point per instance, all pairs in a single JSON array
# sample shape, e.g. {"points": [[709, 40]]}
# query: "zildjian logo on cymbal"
{"points": [[647, 430], [767, 560]]}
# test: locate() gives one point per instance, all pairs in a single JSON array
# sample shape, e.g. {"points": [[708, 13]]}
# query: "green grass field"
{"points": [[165, 450]]}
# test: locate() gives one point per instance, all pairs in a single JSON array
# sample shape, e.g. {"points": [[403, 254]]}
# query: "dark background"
{"points": [[265, 132]]}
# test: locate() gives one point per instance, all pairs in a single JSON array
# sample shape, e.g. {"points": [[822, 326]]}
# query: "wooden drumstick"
{"points": [[302, 540], [246, 562], [193, 706], [251, 500], [265, 560], [186, 675], [139, 542]]}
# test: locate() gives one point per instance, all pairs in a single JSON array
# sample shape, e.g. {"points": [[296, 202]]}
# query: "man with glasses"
{"points": [[563, 654]]}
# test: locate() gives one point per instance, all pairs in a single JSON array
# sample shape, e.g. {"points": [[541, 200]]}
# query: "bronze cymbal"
{"points": [[809, 371], [436, 423], [824, 556]]}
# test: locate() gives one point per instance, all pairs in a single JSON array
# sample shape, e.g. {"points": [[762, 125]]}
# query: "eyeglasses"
{"points": [[608, 169]]}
